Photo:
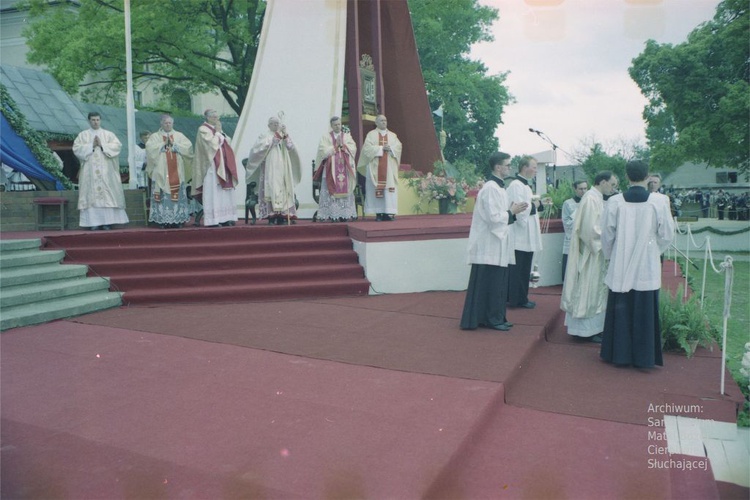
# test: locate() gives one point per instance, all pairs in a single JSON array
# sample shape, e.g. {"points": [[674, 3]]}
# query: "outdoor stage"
{"points": [[379, 396]]}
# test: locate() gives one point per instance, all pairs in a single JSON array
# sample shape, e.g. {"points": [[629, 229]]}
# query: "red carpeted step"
{"points": [[240, 276], [248, 292], [192, 263], [195, 235], [237, 263], [212, 249]]}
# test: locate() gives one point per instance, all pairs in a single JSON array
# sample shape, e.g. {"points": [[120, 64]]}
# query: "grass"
{"points": [[738, 333]]}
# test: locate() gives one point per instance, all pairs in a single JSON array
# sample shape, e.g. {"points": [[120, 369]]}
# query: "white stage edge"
{"points": [[439, 264]]}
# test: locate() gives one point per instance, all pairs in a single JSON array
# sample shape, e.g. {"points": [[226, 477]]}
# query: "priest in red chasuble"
{"points": [[379, 162]]}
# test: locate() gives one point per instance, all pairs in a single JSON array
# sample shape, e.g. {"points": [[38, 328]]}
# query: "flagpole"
{"points": [[130, 104]]}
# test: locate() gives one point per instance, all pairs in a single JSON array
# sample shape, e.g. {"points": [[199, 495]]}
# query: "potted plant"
{"points": [[449, 185], [684, 324]]}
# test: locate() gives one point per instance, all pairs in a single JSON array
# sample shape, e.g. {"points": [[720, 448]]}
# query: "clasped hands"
{"points": [[517, 208]]}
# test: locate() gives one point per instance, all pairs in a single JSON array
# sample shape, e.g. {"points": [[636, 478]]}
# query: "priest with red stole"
{"points": [[215, 172], [169, 166], [379, 162], [337, 174]]}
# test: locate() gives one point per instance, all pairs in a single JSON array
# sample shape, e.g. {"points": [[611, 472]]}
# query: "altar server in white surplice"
{"points": [[584, 297], [527, 234], [101, 199], [637, 227], [490, 251]]}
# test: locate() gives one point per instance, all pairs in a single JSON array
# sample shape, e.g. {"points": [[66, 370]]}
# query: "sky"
{"points": [[568, 62]]}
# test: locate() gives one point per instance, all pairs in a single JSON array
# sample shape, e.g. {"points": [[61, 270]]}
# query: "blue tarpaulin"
{"points": [[16, 154]]}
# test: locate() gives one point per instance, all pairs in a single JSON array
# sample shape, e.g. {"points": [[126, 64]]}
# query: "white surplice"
{"points": [[634, 235]]}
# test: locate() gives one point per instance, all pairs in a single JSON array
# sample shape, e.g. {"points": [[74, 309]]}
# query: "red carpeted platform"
{"points": [[349, 397]]}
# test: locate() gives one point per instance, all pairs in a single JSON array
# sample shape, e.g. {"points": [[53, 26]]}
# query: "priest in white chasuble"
{"points": [[337, 175], [274, 163], [584, 296], [214, 172], [637, 227], [169, 166], [101, 200], [379, 163]]}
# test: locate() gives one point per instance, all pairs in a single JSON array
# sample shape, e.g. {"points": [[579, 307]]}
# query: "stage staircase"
{"points": [[35, 287], [221, 264]]}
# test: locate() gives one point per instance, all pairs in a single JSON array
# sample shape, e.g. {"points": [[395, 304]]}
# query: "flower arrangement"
{"points": [[439, 185]]}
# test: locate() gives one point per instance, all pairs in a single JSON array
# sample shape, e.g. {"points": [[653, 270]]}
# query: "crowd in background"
{"points": [[710, 203]]}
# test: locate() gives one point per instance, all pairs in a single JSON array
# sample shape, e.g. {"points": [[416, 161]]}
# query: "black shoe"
{"points": [[508, 324], [528, 305], [106, 228], [378, 217], [389, 217], [502, 327], [596, 339]]}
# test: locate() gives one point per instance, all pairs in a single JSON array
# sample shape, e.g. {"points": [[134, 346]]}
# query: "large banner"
{"points": [[298, 73]]}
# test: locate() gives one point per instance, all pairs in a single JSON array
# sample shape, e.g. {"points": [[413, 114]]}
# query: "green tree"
{"points": [[197, 45], [472, 100], [598, 160], [699, 93]]}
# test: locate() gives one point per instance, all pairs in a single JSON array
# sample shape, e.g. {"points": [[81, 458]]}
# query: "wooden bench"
{"points": [[60, 203]]}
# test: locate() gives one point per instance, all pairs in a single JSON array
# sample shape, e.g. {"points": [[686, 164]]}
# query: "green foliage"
{"points": [[684, 324], [737, 334], [472, 100], [558, 195], [598, 160], [33, 139], [192, 44], [698, 93]]}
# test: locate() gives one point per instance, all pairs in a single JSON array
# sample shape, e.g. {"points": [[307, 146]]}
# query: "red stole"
{"points": [[230, 164], [382, 167], [173, 173], [338, 167]]}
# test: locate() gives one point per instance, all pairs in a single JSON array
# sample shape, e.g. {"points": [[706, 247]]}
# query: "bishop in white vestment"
{"points": [[274, 164]]}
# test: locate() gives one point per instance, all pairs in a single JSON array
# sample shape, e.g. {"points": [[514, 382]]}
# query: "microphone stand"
{"points": [[546, 138]]}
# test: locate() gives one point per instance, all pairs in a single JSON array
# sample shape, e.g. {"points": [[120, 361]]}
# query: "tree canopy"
{"points": [[472, 100], [196, 45], [699, 93], [210, 46]]}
